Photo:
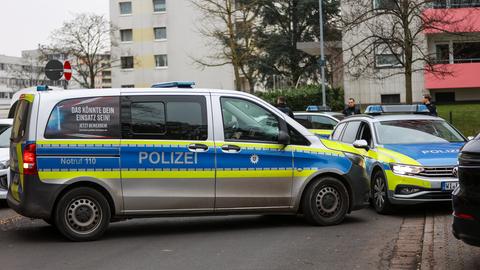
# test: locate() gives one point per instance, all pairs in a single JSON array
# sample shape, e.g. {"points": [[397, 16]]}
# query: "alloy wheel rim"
{"points": [[379, 192], [83, 215]]}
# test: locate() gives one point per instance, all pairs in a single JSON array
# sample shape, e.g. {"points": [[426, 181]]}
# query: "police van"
{"points": [[411, 157], [83, 158]]}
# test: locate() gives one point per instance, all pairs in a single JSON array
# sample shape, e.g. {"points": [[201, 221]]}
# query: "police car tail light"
{"points": [[30, 159], [406, 169]]}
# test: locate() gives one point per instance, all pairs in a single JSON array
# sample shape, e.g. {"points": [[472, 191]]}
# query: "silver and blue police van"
{"points": [[83, 158]]}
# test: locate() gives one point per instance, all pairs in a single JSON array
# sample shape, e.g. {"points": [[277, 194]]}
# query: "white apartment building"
{"points": [[158, 41], [457, 52]]}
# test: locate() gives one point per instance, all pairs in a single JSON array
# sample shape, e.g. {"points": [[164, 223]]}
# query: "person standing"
{"points": [[427, 101], [282, 106], [351, 108]]}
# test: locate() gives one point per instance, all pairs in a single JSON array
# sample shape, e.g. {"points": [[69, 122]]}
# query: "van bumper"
{"points": [[36, 199]]}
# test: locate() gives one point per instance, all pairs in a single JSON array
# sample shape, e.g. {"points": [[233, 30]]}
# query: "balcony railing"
{"points": [[454, 4], [457, 61]]}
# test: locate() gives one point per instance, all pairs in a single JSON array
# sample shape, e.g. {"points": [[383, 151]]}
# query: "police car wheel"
{"points": [[82, 214], [326, 202], [380, 199]]}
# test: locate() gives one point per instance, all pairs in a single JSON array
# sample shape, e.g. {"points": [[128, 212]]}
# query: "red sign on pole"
{"points": [[67, 70]]}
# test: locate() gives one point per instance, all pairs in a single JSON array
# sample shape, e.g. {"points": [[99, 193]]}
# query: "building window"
{"points": [[159, 6], [446, 97], [128, 86], [126, 35], [385, 56], [442, 52], [2, 66], [160, 33], [125, 8], [161, 60], [127, 62], [468, 52], [390, 99], [385, 4]]}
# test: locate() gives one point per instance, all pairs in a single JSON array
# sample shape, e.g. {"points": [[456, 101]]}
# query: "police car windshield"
{"points": [[416, 131], [5, 131]]}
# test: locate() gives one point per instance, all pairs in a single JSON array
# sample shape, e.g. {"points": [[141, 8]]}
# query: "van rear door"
{"points": [[18, 142]]}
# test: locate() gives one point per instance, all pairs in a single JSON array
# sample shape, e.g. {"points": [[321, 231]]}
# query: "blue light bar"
{"points": [[381, 109], [42, 88], [174, 85], [315, 108]]}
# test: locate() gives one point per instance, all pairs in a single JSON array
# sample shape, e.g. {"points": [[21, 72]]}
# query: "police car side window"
{"points": [[322, 122], [338, 131], [164, 117], [303, 120], [85, 118], [246, 121], [351, 131]]}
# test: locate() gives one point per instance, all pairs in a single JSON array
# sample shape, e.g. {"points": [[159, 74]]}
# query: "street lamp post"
{"points": [[322, 54]]}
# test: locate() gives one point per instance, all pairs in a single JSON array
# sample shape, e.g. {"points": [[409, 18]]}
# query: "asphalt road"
{"points": [[364, 241]]}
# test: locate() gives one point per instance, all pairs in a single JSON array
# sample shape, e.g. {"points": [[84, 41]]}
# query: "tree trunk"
{"points": [[92, 78]]}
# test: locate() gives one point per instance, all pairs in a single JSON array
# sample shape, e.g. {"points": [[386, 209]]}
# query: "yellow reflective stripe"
{"points": [[167, 174], [303, 173], [14, 190], [69, 175], [82, 141], [396, 157], [28, 97], [339, 146], [165, 142], [315, 150], [394, 180], [254, 174], [321, 131]]}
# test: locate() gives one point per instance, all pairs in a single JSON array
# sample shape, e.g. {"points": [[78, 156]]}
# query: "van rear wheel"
{"points": [[82, 214], [326, 202]]}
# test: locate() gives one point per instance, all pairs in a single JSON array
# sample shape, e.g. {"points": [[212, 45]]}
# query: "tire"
{"points": [[82, 214], [326, 202], [380, 200]]}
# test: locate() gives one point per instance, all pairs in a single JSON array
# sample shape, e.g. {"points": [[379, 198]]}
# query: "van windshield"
{"points": [[20, 120]]}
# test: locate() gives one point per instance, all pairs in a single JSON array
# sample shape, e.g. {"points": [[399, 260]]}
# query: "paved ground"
{"points": [[364, 241]]}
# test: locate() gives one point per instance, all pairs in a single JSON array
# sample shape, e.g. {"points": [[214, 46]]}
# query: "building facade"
{"points": [[454, 48], [159, 41]]}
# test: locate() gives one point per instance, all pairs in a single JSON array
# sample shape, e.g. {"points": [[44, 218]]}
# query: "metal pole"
{"points": [[322, 54]]}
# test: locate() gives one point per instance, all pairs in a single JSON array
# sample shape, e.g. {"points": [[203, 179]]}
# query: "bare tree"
{"points": [[86, 41], [392, 33], [230, 25]]}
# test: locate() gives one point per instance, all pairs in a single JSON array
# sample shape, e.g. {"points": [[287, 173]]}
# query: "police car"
{"points": [[411, 158], [5, 131], [82, 158], [319, 123]]}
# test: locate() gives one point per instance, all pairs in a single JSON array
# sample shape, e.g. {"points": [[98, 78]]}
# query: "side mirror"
{"points": [[470, 138], [361, 144], [283, 138]]}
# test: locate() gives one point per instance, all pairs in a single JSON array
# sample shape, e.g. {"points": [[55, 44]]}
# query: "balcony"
{"points": [[453, 20], [462, 75], [455, 3]]}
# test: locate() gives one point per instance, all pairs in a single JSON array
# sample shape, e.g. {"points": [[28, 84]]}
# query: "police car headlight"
{"points": [[356, 159], [4, 164], [406, 169]]}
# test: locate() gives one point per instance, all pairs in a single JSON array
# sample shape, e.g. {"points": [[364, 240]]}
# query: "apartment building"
{"points": [[159, 41], [454, 47]]}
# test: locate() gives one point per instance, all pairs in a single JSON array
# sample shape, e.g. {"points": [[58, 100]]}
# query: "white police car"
{"points": [[82, 158], [411, 158]]}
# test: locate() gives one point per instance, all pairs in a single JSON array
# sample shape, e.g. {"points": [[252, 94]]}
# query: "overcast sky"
{"points": [[26, 23]]}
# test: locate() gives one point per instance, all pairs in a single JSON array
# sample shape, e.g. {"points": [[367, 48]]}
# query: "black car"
{"points": [[466, 197]]}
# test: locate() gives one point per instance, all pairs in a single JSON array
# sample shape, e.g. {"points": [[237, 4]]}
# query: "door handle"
{"points": [[198, 147], [228, 148]]}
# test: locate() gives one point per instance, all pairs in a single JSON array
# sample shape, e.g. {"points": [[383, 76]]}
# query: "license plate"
{"points": [[449, 186]]}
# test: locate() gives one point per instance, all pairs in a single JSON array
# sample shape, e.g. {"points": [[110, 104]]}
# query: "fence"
{"points": [[468, 122]]}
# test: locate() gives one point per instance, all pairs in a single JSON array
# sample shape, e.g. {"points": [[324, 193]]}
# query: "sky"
{"points": [[26, 23]]}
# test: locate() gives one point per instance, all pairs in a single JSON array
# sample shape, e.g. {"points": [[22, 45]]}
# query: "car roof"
{"points": [[318, 113], [391, 117]]}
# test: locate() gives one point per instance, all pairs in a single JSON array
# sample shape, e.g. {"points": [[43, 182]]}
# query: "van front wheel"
{"points": [[82, 214], [326, 202]]}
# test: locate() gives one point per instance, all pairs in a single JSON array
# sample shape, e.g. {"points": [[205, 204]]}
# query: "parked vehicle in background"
{"points": [[411, 158], [319, 123], [79, 163], [466, 197], [5, 131]]}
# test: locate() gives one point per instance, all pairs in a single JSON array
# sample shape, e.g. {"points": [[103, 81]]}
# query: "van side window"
{"points": [[20, 120], [85, 118], [164, 117]]}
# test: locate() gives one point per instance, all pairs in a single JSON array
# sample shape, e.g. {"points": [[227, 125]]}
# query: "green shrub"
{"points": [[298, 99]]}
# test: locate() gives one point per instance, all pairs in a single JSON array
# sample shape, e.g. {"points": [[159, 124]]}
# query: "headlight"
{"points": [[356, 159], [406, 169], [4, 164]]}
